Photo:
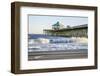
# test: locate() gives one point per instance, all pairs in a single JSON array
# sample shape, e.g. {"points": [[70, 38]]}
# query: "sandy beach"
{"points": [[68, 54]]}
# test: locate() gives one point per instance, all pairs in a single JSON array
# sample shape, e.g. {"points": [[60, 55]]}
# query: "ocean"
{"points": [[41, 42]]}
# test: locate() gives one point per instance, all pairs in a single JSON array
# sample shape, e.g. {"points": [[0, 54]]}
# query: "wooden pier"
{"points": [[76, 31]]}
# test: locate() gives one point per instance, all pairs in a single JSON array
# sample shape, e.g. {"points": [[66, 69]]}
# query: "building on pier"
{"points": [[60, 30]]}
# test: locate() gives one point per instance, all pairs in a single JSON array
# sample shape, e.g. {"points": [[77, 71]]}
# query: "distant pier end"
{"points": [[75, 31]]}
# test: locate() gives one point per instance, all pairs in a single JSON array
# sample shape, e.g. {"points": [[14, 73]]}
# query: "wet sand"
{"points": [[52, 55]]}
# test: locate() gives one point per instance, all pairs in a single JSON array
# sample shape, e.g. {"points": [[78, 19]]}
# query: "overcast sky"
{"points": [[38, 22]]}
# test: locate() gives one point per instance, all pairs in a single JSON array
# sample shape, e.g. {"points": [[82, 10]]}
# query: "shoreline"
{"points": [[51, 55]]}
